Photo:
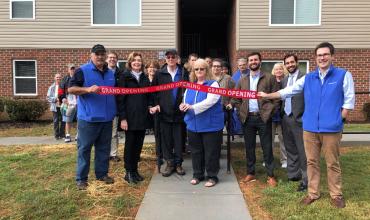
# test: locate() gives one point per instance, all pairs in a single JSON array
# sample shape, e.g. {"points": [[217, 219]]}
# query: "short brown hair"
{"points": [[130, 59]]}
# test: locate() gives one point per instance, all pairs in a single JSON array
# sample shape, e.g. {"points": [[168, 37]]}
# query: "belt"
{"points": [[253, 113]]}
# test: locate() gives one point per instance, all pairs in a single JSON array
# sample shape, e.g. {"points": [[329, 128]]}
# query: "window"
{"points": [[122, 64], [116, 12], [267, 65], [295, 12], [24, 75], [22, 9]]}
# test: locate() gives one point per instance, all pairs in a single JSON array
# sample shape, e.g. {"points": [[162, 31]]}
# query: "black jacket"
{"points": [[134, 107], [169, 111]]}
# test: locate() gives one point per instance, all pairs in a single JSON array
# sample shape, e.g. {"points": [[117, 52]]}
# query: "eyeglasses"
{"points": [[216, 66], [171, 57], [199, 69], [323, 55]]}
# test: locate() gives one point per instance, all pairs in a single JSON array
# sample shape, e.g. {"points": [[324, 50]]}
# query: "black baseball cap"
{"points": [[171, 51], [98, 48]]}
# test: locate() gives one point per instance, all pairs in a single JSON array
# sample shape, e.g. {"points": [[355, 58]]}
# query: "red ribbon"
{"points": [[244, 94]]}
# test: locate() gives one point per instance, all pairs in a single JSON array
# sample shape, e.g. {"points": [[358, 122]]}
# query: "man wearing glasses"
{"points": [[329, 96], [170, 117]]}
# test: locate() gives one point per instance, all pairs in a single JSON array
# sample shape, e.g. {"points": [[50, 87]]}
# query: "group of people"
{"points": [[308, 110]]}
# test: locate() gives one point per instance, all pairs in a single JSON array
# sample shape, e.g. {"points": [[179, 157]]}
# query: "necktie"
{"points": [[288, 101]]}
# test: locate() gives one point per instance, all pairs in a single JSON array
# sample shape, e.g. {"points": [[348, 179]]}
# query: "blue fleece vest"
{"points": [[94, 107], [323, 102], [208, 121]]}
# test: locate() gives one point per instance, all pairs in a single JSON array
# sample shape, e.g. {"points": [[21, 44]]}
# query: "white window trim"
{"points": [[280, 61], [114, 25], [11, 10], [294, 25], [121, 61], [24, 77]]}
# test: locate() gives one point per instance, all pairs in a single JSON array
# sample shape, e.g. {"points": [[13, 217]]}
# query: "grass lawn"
{"points": [[282, 202], [38, 183], [45, 128]]}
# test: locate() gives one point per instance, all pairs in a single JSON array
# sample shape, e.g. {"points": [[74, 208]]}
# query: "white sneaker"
{"points": [[284, 165], [67, 139]]}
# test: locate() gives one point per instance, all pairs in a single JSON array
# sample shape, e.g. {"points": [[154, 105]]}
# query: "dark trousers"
{"points": [[171, 141], [98, 134], [205, 153], [250, 127], [296, 155], [133, 145], [59, 125]]}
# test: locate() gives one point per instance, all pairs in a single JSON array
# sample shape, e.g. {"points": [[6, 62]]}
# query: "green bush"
{"points": [[25, 110], [366, 110], [2, 101]]}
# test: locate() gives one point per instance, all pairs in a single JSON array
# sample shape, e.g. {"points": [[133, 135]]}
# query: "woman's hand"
{"points": [[184, 107], [124, 125], [154, 109]]}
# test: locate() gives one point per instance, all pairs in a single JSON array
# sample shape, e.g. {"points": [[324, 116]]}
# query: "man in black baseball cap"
{"points": [[171, 52], [98, 48]]}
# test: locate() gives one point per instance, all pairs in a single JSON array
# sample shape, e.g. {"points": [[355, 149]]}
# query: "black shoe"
{"points": [[130, 178], [106, 179], [302, 187], [294, 179], [82, 185], [115, 159], [169, 170], [137, 176], [179, 170]]}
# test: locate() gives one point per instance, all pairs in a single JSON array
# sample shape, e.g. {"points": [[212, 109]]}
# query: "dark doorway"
{"points": [[204, 27]]}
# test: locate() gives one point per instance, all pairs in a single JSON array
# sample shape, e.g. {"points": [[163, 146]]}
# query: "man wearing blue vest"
{"points": [[329, 96], [95, 115]]}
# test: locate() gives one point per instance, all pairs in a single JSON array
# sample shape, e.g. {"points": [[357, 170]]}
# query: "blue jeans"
{"points": [[98, 134]]}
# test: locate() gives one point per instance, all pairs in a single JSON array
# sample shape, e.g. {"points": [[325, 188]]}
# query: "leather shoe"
{"points": [[106, 179], [271, 181], [338, 202], [302, 187], [82, 185], [249, 178], [294, 179], [169, 170], [137, 176], [307, 200], [179, 170], [130, 178]]}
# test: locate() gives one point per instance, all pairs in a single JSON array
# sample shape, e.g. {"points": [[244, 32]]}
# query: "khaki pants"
{"points": [[329, 143]]}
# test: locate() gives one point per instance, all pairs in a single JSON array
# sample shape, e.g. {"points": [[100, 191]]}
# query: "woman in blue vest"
{"points": [[204, 121]]}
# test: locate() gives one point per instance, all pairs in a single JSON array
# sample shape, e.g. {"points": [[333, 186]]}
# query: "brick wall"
{"points": [[357, 61], [49, 62]]}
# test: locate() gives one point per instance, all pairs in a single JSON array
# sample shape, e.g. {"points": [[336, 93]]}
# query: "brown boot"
{"points": [[169, 170]]}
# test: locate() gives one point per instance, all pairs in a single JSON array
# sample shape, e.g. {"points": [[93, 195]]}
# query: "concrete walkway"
{"points": [[347, 140], [174, 198]]}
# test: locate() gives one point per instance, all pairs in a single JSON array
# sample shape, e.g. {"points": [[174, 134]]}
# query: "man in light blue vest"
{"points": [[329, 96], [95, 115]]}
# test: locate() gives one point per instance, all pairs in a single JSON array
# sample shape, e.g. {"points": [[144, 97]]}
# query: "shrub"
{"points": [[366, 110], [2, 101], [25, 110]]}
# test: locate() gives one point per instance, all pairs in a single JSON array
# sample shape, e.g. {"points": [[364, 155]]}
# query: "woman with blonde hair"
{"points": [[279, 71], [204, 120]]}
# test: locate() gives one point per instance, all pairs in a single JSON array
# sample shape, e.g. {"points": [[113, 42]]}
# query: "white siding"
{"points": [[344, 23], [67, 24]]}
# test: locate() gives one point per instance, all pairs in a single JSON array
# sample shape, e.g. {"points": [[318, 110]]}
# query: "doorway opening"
{"points": [[205, 27]]}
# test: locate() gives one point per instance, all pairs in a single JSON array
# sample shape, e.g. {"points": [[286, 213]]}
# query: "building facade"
{"points": [[38, 38]]}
